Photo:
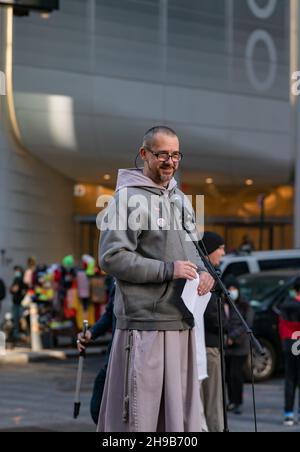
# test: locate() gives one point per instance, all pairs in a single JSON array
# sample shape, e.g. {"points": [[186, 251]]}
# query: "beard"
{"points": [[166, 177]]}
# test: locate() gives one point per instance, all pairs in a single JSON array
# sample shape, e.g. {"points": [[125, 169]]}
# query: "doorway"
{"points": [[87, 236]]}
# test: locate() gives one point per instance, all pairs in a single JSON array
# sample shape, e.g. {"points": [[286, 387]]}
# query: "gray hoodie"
{"points": [[142, 257]]}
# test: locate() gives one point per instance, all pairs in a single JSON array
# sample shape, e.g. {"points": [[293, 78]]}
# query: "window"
{"points": [[259, 289], [236, 269], [273, 264]]}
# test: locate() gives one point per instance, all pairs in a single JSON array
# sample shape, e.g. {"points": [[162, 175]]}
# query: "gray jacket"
{"points": [[142, 259]]}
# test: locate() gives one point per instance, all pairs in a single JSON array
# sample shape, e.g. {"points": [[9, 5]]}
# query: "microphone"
{"points": [[186, 217], [135, 162]]}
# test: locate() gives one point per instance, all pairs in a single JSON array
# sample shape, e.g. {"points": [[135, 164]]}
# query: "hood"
{"points": [[136, 178]]}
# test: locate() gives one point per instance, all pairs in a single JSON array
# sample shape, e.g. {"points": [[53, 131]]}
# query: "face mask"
{"points": [[292, 293], [234, 294], [18, 274]]}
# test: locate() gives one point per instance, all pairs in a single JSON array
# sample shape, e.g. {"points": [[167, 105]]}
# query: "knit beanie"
{"points": [[211, 242]]}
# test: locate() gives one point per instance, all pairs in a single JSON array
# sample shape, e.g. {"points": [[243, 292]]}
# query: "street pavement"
{"points": [[38, 397]]}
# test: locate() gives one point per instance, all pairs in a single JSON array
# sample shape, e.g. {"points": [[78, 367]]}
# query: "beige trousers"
{"points": [[211, 392]]}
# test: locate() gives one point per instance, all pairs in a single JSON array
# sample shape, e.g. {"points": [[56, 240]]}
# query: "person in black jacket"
{"points": [[211, 390], [238, 346], [106, 323], [2, 291], [18, 291], [289, 329]]}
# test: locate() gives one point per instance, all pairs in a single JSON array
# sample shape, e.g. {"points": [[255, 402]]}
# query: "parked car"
{"points": [[266, 291], [255, 262]]}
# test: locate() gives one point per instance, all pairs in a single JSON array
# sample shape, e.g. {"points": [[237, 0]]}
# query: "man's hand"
{"points": [[83, 341], [185, 270], [206, 283]]}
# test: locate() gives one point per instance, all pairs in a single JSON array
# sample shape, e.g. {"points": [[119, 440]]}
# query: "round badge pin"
{"points": [[161, 222]]}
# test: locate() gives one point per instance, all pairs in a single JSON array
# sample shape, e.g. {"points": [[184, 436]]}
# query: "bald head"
{"points": [[151, 135]]}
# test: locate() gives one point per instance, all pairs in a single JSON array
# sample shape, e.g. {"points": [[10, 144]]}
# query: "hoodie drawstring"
{"points": [[128, 349]]}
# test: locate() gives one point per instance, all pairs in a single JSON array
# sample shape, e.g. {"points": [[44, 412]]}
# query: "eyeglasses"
{"points": [[164, 156]]}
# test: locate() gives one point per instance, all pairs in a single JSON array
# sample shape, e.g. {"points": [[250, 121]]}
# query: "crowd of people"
{"points": [[65, 293]]}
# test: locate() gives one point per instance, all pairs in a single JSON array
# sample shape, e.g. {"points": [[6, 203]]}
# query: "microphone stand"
{"points": [[252, 339], [222, 359]]}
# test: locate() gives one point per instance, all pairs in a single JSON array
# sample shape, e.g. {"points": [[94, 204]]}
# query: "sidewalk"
{"points": [[25, 355]]}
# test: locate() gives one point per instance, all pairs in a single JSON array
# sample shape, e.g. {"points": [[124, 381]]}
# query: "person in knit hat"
{"points": [[213, 245]]}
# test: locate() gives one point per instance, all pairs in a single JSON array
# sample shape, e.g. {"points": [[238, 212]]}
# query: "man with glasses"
{"points": [[152, 381]]}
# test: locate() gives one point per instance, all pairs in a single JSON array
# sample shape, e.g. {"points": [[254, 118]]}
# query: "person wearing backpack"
{"points": [[289, 330]]}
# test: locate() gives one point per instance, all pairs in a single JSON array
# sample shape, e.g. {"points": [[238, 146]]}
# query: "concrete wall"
{"points": [[99, 72], [36, 210]]}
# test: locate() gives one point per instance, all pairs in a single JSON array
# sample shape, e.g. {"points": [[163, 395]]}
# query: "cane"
{"points": [[82, 356]]}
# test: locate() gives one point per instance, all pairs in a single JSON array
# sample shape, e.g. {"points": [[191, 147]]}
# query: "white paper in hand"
{"points": [[197, 305]]}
